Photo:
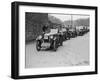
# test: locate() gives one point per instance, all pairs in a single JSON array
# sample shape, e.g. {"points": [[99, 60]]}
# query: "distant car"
{"points": [[72, 32], [54, 38], [65, 34], [81, 30]]}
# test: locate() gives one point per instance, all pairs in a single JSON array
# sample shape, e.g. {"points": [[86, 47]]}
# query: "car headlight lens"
{"points": [[51, 37], [40, 37]]}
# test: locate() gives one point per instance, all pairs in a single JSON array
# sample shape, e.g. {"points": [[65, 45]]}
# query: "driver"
{"points": [[44, 29]]}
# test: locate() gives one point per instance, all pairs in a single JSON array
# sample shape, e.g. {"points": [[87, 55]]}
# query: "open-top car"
{"points": [[72, 32], [53, 39], [81, 30], [65, 34]]}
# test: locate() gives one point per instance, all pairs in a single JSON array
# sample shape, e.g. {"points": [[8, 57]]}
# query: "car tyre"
{"points": [[38, 46], [55, 45]]}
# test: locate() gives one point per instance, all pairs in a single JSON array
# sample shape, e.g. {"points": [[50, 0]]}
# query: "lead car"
{"points": [[54, 38]]}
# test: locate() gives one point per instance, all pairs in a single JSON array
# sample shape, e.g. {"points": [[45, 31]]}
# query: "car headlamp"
{"points": [[51, 37], [40, 37]]}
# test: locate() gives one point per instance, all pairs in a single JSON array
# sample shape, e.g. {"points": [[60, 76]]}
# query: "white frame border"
{"points": [[38, 71]]}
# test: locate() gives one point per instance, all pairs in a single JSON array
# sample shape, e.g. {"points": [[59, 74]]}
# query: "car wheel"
{"points": [[54, 45], [68, 37], [61, 41], [38, 47]]}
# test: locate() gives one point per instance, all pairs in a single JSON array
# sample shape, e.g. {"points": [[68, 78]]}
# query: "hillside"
{"points": [[54, 19], [78, 22], [54, 22]]}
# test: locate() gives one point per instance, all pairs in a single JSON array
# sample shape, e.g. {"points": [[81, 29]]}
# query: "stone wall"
{"points": [[33, 24]]}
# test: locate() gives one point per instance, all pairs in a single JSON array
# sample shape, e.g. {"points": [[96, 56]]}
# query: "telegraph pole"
{"points": [[71, 20]]}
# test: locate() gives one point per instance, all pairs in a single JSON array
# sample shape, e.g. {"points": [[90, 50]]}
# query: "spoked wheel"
{"points": [[61, 42], [38, 46], [55, 45], [68, 37]]}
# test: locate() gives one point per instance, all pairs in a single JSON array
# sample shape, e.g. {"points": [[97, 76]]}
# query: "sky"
{"points": [[64, 17]]}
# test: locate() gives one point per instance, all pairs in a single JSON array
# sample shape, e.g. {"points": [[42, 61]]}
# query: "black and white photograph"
{"points": [[51, 40], [56, 40]]}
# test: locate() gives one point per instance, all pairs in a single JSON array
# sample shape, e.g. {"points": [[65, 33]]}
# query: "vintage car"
{"points": [[85, 29], [72, 32], [81, 30], [53, 40], [65, 34]]}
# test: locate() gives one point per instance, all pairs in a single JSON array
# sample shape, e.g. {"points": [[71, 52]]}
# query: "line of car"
{"points": [[56, 37]]}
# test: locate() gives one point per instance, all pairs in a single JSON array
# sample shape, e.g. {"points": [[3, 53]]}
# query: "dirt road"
{"points": [[74, 52]]}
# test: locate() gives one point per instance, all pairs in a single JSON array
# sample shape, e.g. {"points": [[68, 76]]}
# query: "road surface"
{"points": [[74, 52]]}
